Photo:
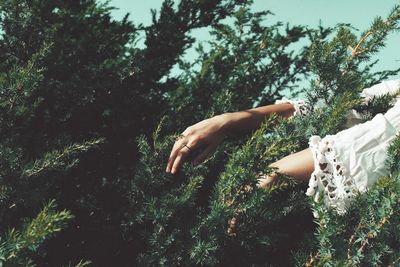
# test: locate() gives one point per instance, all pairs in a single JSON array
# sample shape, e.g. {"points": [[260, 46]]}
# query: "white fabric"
{"points": [[299, 105], [383, 88], [350, 161]]}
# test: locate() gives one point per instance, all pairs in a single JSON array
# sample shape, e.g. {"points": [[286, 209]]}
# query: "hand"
{"points": [[267, 181], [205, 135]]}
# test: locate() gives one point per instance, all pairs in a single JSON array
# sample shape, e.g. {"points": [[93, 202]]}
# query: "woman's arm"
{"points": [[251, 119], [207, 134], [298, 165]]}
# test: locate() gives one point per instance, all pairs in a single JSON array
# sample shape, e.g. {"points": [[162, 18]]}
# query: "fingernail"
{"points": [[173, 170], [167, 169]]}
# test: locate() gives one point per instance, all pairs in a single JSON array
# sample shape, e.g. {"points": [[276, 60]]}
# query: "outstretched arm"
{"points": [[251, 119], [206, 135]]}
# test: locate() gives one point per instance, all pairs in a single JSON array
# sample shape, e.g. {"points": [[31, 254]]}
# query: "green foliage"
{"points": [[241, 220], [17, 246], [365, 235], [247, 62], [87, 118], [59, 160]]}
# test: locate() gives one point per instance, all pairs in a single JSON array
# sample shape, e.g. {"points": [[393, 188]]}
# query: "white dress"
{"points": [[350, 161]]}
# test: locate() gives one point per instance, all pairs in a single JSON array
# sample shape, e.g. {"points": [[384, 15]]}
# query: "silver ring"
{"points": [[185, 145]]}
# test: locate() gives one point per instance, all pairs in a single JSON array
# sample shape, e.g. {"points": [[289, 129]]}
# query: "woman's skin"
{"points": [[209, 133]]}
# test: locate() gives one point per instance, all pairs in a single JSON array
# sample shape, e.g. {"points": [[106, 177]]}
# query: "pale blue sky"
{"points": [[360, 13]]}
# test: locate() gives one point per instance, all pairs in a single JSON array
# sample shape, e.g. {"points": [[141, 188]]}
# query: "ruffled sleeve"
{"points": [[386, 87], [300, 106], [391, 87], [350, 161], [352, 117]]}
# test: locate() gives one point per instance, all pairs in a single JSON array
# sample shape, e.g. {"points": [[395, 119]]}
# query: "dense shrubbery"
{"points": [[88, 119]]}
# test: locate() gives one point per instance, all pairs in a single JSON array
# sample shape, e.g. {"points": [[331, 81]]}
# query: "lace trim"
{"points": [[330, 176], [300, 106]]}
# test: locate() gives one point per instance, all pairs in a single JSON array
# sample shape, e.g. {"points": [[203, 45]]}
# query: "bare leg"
{"points": [[299, 165]]}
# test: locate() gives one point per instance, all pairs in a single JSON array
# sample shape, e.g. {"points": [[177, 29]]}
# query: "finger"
{"points": [[174, 153], [203, 155], [191, 146], [266, 181], [262, 183], [172, 157], [179, 159]]}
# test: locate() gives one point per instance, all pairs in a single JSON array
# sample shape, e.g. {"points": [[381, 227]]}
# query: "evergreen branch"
{"points": [[354, 51], [393, 156], [352, 239], [22, 81], [81, 263], [17, 244], [373, 233], [60, 159], [312, 259], [379, 30]]}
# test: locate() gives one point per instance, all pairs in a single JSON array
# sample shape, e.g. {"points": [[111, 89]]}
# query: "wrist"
{"points": [[225, 122], [232, 120]]}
